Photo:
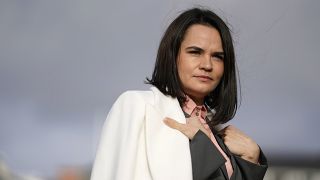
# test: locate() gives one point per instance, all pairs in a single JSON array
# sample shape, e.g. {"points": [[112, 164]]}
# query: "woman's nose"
{"points": [[206, 63]]}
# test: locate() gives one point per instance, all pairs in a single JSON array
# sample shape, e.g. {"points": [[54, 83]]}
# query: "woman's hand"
{"points": [[240, 144], [189, 129]]}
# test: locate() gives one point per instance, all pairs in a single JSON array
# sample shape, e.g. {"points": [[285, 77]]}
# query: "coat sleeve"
{"points": [[206, 158], [251, 171], [116, 153]]}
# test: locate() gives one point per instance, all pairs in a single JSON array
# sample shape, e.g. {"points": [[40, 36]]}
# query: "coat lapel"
{"points": [[168, 150]]}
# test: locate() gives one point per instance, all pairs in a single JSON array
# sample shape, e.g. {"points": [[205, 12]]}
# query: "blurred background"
{"points": [[63, 63]]}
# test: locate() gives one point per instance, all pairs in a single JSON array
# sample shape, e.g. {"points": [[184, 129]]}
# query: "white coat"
{"points": [[136, 144]]}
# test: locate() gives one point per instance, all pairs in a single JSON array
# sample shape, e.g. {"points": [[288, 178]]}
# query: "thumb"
{"points": [[173, 123]]}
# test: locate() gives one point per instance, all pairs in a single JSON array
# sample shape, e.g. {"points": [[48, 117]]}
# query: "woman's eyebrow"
{"points": [[218, 53], [194, 48]]}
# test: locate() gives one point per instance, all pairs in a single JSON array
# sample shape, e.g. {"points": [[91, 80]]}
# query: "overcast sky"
{"points": [[63, 64]]}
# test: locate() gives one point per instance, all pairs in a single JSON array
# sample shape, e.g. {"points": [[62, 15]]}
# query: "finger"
{"points": [[196, 123], [221, 132], [227, 130], [222, 136], [173, 124], [227, 127], [232, 128], [185, 129]]}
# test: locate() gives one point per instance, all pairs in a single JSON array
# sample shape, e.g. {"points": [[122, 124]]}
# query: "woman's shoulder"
{"points": [[136, 96]]}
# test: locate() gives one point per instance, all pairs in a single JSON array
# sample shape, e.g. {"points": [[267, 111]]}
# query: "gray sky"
{"points": [[63, 63]]}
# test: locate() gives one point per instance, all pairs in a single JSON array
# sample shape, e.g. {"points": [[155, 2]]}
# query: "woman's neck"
{"points": [[198, 101]]}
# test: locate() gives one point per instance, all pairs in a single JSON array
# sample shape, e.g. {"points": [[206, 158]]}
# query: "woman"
{"points": [[170, 132]]}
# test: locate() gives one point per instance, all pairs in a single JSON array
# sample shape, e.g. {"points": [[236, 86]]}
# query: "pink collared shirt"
{"points": [[193, 110]]}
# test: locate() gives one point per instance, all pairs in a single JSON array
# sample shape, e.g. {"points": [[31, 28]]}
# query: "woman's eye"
{"points": [[218, 57], [194, 52]]}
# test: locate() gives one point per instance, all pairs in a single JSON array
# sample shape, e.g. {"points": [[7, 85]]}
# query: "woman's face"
{"points": [[200, 61]]}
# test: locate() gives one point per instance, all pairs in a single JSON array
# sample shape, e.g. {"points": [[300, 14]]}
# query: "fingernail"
{"points": [[165, 120]]}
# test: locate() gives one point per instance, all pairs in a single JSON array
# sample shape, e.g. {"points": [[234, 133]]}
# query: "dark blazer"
{"points": [[209, 164]]}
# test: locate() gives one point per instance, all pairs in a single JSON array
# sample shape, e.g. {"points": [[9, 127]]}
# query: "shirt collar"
{"points": [[190, 106]]}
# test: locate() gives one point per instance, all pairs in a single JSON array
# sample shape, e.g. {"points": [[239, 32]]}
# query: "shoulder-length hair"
{"points": [[223, 99]]}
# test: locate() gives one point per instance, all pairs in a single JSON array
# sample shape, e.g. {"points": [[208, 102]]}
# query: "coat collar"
{"points": [[166, 105], [168, 150]]}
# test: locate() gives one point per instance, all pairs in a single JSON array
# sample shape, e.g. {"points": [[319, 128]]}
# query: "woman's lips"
{"points": [[204, 78]]}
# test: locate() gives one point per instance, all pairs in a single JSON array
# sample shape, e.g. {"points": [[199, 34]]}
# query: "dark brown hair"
{"points": [[223, 99]]}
